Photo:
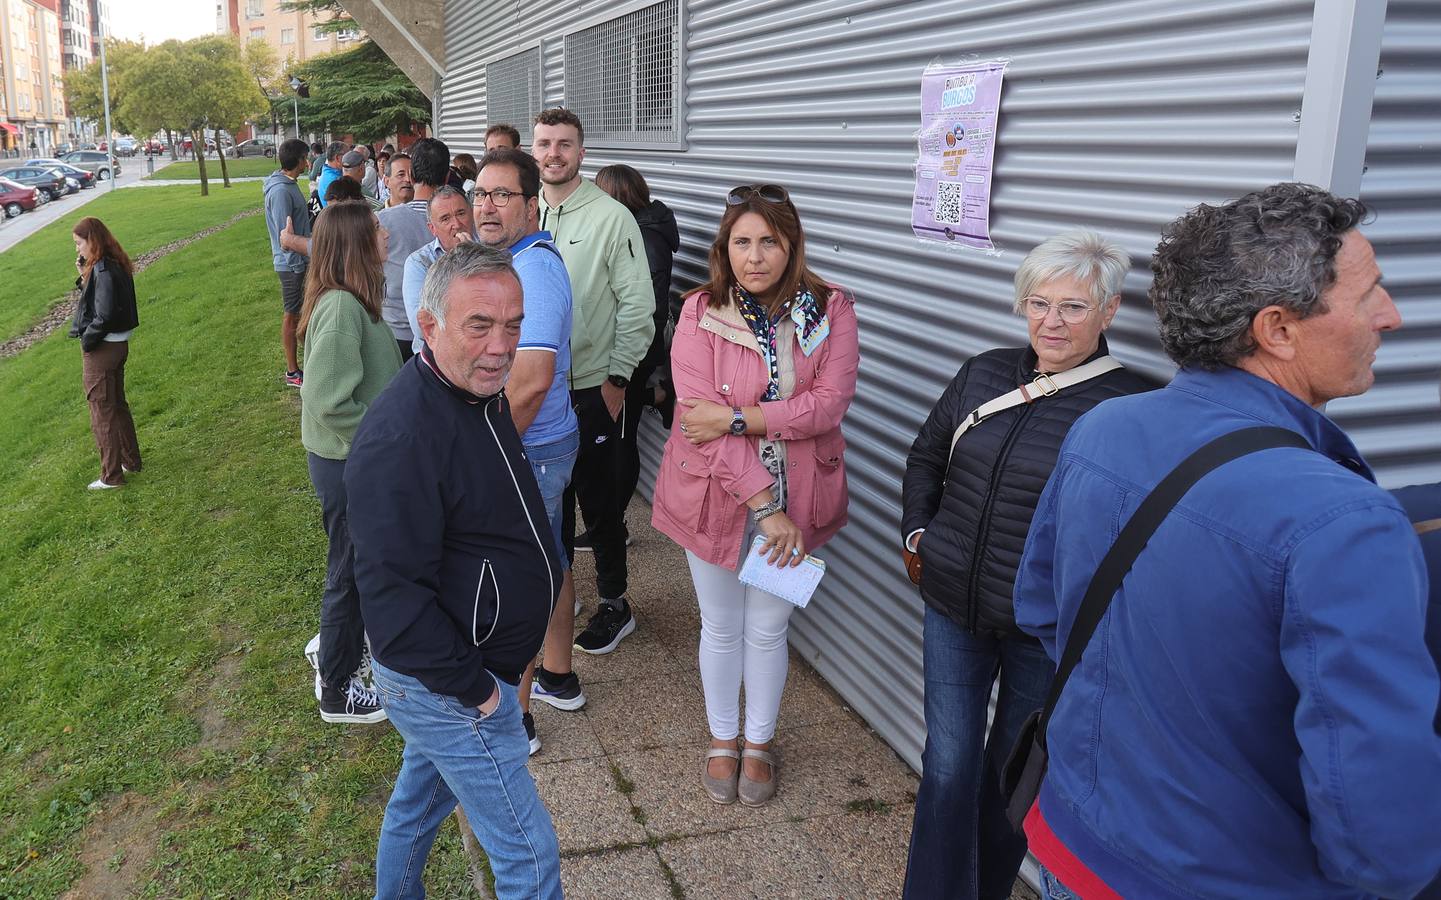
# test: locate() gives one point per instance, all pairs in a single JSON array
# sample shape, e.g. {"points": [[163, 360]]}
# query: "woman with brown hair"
{"points": [[350, 356], [104, 317], [764, 361]]}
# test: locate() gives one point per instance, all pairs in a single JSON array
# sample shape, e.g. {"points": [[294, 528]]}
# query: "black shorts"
{"points": [[292, 291]]}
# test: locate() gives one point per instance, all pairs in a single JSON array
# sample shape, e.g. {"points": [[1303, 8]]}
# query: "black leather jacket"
{"points": [[977, 507], [106, 304]]}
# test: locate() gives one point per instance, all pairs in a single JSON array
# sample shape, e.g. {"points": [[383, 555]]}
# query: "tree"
{"points": [[329, 15], [155, 85], [82, 86], [262, 64], [226, 94], [362, 92]]}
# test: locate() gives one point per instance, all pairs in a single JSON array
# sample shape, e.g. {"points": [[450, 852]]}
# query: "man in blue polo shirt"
{"points": [[507, 216]]}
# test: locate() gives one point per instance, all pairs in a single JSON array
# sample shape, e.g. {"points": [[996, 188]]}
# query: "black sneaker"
{"points": [[605, 629], [565, 695], [356, 705], [529, 722]]}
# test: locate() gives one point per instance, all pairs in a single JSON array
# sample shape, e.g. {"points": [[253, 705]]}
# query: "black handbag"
{"points": [[1025, 768]]}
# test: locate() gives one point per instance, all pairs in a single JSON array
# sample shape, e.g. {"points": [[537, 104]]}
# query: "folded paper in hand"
{"points": [[793, 584]]}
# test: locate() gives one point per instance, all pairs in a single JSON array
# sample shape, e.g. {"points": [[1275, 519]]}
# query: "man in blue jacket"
{"points": [[458, 575], [1253, 716]]}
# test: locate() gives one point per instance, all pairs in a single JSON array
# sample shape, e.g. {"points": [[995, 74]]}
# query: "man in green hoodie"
{"points": [[604, 254]]}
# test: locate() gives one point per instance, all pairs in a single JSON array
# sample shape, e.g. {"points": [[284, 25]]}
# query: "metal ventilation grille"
{"points": [[513, 92], [622, 78]]}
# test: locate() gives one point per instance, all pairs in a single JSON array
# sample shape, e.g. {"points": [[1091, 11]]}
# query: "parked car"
{"points": [[125, 146], [92, 161], [16, 198], [155, 147], [52, 184], [256, 147], [84, 176]]}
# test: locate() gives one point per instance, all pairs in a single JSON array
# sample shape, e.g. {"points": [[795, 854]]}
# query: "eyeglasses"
{"points": [[500, 196], [771, 193], [1073, 312]]}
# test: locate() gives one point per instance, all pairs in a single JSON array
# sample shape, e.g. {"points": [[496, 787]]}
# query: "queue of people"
{"points": [[482, 353]]}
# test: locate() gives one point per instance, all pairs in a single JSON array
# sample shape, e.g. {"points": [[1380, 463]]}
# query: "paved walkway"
{"points": [[621, 776]]}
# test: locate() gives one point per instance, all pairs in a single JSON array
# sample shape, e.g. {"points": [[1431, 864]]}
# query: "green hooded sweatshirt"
{"points": [[613, 302]]}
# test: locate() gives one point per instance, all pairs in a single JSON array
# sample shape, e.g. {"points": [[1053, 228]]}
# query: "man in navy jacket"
{"points": [[458, 574], [1253, 716]]}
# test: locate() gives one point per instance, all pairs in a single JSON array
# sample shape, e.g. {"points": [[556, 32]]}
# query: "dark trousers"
{"points": [[103, 374], [961, 843], [595, 483], [342, 632], [637, 396]]}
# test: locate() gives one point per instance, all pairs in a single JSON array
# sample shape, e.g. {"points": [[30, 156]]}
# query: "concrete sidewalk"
{"points": [[621, 776]]}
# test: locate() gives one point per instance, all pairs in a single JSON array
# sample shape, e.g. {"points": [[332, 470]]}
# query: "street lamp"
{"points": [[105, 92], [301, 90]]}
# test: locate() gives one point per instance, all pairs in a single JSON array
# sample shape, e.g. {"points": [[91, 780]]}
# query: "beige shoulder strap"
{"points": [[1043, 386]]}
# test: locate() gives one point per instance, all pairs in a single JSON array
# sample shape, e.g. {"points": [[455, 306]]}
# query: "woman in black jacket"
{"points": [[662, 239], [973, 478], [104, 317]]}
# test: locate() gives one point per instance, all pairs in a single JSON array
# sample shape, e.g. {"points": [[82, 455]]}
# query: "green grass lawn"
{"points": [[155, 687], [41, 269], [247, 167]]}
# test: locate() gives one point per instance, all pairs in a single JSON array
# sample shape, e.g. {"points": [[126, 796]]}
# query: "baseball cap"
{"points": [[353, 158]]}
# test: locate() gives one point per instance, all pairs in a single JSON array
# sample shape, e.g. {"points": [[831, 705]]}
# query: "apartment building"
{"points": [[295, 36], [32, 95]]}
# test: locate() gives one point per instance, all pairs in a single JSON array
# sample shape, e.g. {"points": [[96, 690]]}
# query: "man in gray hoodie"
{"points": [[283, 200]]}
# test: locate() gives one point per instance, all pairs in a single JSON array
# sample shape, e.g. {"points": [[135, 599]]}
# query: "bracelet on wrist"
{"points": [[766, 511]]}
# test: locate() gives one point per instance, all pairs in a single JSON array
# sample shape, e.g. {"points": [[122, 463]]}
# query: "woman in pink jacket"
{"points": [[764, 361]]}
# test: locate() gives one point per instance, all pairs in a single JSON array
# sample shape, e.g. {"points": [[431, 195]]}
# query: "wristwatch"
{"points": [[769, 509], [619, 381], [738, 421]]}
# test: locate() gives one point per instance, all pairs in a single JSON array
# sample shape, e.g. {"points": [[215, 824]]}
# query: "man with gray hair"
{"points": [[1244, 701], [458, 574], [451, 222]]}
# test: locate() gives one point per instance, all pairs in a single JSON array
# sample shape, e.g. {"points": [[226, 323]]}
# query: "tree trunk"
{"points": [[220, 149], [197, 146], [170, 140]]}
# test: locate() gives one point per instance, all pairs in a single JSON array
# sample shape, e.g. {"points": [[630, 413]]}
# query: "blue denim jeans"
{"points": [[961, 843], [552, 465], [453, 754], [1052, 889]]}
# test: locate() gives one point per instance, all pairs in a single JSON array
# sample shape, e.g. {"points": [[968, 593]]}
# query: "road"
{"points": [[12, 231]]}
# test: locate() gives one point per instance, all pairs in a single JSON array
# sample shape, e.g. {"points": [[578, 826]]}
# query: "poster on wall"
{"points": [[957, 143]]}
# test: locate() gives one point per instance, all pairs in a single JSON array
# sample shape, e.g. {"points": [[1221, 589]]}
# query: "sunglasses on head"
{"points": [[771, 193]]}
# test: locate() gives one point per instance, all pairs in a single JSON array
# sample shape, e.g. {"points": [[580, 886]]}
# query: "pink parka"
{"points": [[701, 491]]}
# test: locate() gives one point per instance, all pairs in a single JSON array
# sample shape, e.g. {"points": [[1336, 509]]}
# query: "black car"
{"points": [[85, 177], [51, 183]]}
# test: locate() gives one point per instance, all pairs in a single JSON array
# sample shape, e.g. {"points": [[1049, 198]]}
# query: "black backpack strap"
{"points": [[1138, 530]]}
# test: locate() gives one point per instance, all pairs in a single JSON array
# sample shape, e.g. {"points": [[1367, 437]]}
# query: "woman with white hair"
{"points": [[973, 478]]}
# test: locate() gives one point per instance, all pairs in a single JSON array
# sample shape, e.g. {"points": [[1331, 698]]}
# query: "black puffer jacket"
{"points": [[662, 240], [977, 509]]}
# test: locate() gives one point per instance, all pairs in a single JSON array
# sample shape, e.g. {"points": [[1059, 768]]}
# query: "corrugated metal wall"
{"points": [[1397, 424], [1117, 114]]}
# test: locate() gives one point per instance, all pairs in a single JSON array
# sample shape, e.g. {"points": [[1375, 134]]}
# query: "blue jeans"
{"points": [[453, 754], [961, 843], [1052, 889], [552, 464]]}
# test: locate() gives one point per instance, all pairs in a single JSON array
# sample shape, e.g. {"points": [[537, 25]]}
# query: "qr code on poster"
{"points": [[949, 197]]}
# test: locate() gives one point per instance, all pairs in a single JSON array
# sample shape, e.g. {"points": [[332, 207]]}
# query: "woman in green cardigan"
{"points": [[350, 356]]}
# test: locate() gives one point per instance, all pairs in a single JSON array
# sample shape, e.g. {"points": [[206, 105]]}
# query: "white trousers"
{"points": [[742, 642]]}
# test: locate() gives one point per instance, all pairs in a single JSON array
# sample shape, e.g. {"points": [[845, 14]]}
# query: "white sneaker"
{"points": [[100, 484]]}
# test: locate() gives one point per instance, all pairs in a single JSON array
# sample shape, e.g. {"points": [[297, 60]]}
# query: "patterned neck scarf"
{"points": [[812, 326]]}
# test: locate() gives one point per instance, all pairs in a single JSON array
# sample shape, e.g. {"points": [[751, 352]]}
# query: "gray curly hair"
{"points": [[1217, 266]]}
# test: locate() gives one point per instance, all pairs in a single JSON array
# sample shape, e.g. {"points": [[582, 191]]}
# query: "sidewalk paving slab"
{"points": [[621, 777]]}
